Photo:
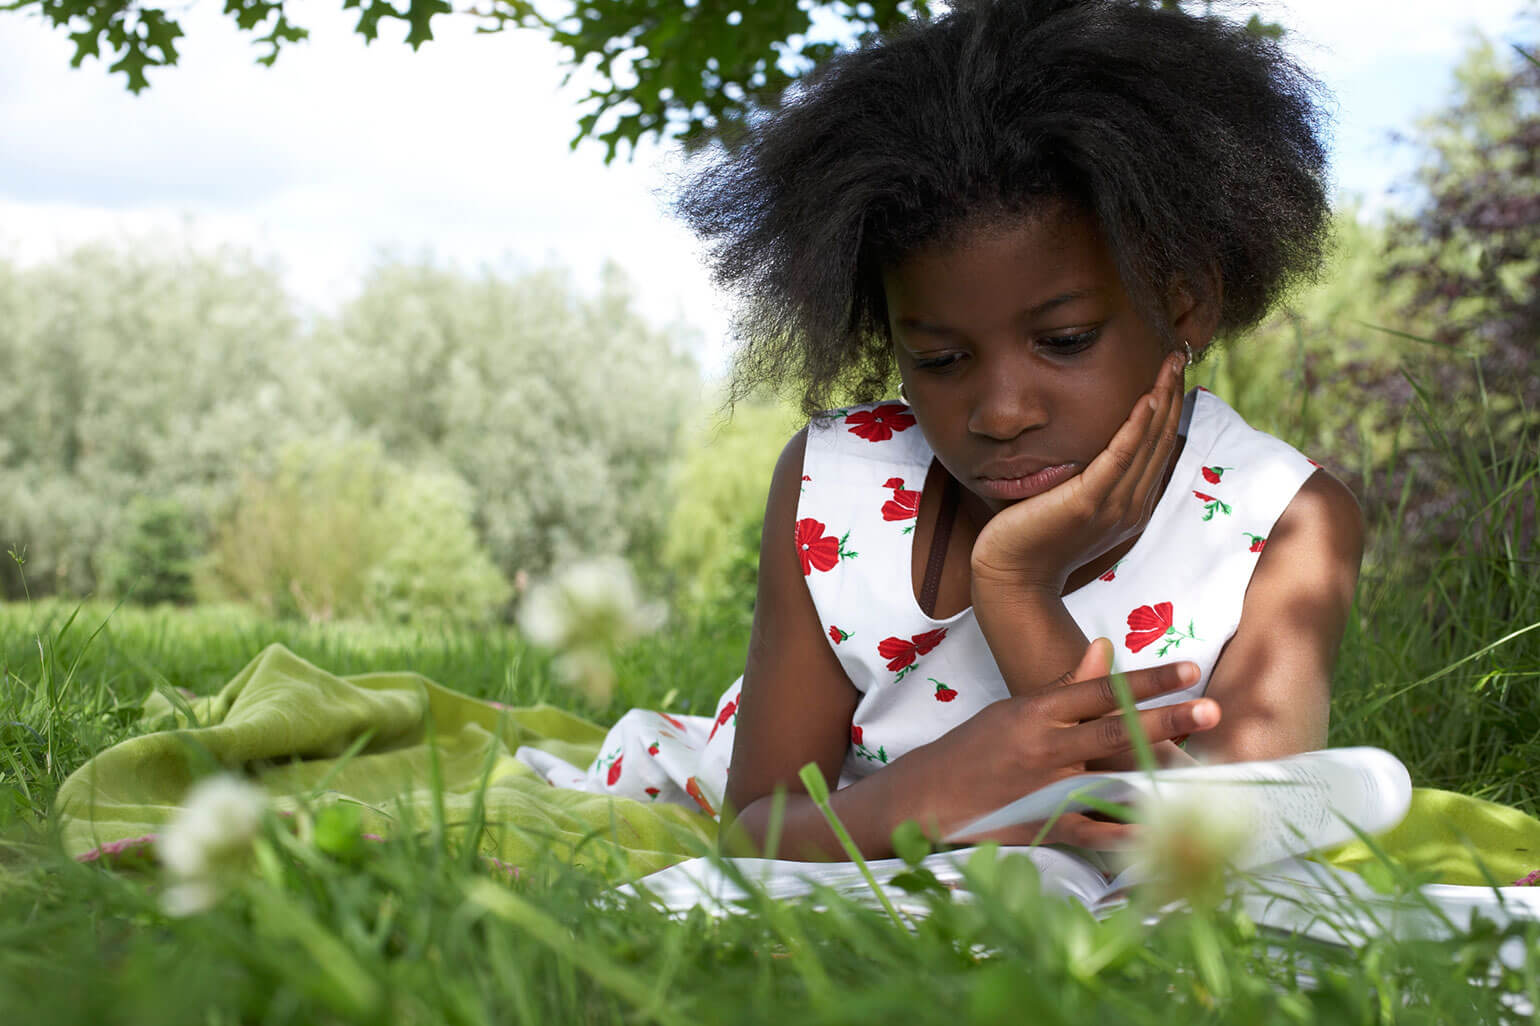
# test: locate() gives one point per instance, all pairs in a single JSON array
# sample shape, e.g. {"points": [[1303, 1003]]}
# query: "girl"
{"points": [[1038, 212]]}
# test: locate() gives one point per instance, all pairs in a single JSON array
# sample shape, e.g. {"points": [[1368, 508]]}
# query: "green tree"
{"points": [[155, 371], [561, 411], [663, 68]]}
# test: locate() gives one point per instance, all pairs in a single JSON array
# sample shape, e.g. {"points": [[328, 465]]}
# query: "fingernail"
{"points": [[1205, 714], [1188, 673]]}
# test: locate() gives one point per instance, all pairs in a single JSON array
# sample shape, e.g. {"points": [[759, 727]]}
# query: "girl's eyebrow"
{"points": [[1046, 306]]}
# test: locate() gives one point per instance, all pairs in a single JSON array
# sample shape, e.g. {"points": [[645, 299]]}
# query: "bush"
{"points": [[152, 557], [339, 531], [712, 544], [561, 411], [150, 371]]}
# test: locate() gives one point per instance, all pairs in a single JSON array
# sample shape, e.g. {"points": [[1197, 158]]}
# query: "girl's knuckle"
{"points": [[1110, 733]]}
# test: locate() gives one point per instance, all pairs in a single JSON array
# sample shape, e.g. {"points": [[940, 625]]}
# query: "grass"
{"points": [[1440, 665]]}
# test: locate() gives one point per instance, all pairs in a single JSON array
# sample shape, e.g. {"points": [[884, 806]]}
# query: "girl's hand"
{"points": [[1019, 745], [1038, 542]]}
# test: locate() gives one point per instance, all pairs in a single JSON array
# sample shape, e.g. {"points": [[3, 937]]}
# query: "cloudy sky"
{"points": [[344, 151]]}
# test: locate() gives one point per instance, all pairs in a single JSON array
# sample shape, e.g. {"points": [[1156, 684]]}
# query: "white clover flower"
{"points": [[210, 833], [1190, 836], [583, 612]]}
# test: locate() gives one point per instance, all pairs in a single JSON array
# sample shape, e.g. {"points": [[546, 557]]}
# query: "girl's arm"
{"points": [[1274, 676], [1027, 551], [796, 706]]}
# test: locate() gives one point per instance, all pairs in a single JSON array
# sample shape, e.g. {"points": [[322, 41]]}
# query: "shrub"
{"points": [[152, 556], [339, 531]]}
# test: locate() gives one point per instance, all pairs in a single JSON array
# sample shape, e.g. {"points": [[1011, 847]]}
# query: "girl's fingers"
{"points": [[1093, 698], [1163, 443], [1122, 455], [1109, 734], [1134, 489]]}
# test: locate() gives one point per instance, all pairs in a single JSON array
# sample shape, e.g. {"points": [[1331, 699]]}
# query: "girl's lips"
{"points": [[1013, 489]]}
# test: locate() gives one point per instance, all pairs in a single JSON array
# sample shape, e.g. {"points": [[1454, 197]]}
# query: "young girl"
{"points": [[1038, 212]]}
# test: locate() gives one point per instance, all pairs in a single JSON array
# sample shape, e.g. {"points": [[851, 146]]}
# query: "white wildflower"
{"points": [[210, 834], [583, 612], [1189, 837]]}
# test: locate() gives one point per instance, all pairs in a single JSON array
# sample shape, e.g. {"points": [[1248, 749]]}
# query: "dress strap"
{"points": [[938, 546]]}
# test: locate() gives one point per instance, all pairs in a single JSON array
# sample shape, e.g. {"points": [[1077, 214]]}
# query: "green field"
{"points": [[1440, 666]]}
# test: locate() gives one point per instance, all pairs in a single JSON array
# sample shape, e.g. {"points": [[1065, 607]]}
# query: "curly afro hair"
{"points": [[1193, 143]]}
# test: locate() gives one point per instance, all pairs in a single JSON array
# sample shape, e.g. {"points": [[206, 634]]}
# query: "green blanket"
{"points": [[374, 739], [378, 739]]}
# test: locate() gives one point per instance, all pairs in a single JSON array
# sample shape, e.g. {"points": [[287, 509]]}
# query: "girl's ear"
{"points": [[1194, 309]]}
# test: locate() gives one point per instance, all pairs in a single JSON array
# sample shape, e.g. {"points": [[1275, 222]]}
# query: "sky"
{"points": [[343, 152]]}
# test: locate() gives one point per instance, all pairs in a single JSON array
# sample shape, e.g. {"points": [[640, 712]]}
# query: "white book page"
{"points": [[703, 881], [1286, 806]]}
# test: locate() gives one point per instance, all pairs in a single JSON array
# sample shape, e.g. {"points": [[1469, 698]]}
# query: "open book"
{"points": [[1283, 807], [1286, 807]]}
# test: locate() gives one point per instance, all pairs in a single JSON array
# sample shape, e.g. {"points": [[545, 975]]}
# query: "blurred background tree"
{"points": [[167, 420]]}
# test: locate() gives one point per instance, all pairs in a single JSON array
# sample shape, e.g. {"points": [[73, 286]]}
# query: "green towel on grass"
{"points": [[289, 725]]}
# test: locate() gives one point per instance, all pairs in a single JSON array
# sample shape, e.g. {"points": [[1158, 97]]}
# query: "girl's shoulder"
{"points": [[879, 432], [1227, 452]]}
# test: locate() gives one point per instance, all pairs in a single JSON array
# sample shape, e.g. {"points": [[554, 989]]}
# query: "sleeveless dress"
{"points": [[1176, 595]]}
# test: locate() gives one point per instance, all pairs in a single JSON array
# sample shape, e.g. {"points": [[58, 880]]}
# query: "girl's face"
{"points": [[1021, 353]]}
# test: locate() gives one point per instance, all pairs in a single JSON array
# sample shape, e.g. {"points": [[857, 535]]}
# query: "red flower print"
{"points": [[1213, 474], [1112, 572], [652, 749], [679, 724], [836, 635], [879, 424], [1312, 462], [1258, 542], [1211, 505], [816, 549], [728, 710], [905, 504], [923, 643], [652, 792], [858, 742], [692, 789], [1147, 624], [943, 693], [901, 654], [807, 477], [614, 773]]}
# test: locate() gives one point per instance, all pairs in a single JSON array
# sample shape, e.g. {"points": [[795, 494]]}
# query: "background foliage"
{"points": [[151, 403]]}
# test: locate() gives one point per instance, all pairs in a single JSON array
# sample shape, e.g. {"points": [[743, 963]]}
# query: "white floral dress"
{"points": [[1177, 594]]}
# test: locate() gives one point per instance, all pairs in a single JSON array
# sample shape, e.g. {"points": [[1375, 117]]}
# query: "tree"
{"points": [[1471, 248], [665, 68], [562, 411], [151, 372]]}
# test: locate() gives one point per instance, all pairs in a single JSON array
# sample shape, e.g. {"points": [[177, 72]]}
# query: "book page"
{"points": [[704, 882], [1286, 806]]}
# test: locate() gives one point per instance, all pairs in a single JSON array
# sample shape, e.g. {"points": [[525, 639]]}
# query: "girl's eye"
{"points": [[936, 363], [1065, 345]]}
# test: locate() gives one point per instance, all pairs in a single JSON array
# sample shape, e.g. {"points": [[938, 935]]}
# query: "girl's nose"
{"points": [[1007, 403]]}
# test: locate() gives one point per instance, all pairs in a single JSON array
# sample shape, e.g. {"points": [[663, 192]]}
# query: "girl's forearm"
{"points": [[868, 810], [1031, 634]]}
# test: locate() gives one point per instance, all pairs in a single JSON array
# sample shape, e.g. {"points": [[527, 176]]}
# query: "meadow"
{"points": [[371, 489], [1439, 666]]}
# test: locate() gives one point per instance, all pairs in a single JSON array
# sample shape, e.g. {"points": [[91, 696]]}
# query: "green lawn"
{"points": [[414, 930]]}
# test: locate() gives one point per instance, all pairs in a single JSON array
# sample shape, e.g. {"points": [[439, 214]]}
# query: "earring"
{"points": [[903, 396], [1187, 351]]}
